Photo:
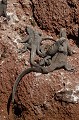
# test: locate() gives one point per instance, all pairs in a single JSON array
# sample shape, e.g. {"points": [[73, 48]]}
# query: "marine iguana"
{"points": [[32, 42]]}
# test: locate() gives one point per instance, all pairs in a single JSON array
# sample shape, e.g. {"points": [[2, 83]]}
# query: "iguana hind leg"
{"points": [[45, 61], [49, 68]]}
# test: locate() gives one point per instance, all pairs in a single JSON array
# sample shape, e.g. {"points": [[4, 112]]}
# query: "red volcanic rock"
{"points": [[54, 14], [35, 92]]}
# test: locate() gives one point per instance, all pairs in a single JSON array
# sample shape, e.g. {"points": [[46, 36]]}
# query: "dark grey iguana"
{"points": [[32, 42], [51, 51], [54, 48], [59, 60], [58, 46]]}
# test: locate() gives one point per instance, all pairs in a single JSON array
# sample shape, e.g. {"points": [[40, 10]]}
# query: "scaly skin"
{"points": [[33, 42], [59, 60]]}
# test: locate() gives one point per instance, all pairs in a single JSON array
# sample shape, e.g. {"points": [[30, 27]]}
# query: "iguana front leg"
{"points": [[45, 61], [25, 40], [24, 49]]}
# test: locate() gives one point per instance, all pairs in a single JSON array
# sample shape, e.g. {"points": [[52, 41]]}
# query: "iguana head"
{"points": [[63, 33]]}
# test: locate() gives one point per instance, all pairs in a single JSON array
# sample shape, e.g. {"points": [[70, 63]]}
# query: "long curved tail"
{"points": [[20, 76]]}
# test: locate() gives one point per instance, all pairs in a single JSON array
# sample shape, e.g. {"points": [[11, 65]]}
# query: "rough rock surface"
{"points": [[52, 15], [35, 93]]}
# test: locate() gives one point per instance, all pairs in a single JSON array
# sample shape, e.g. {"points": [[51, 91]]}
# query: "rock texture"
{"points": [[52, 15], [35, 93]]}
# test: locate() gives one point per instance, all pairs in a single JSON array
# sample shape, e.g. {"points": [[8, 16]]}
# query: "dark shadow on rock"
{"points": [[17, 108], [74, 38]]}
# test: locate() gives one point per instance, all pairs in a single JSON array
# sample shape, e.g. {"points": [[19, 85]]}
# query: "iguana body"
{"points": [[51, 51], [32, 42], [61, 45], [59, 60]]}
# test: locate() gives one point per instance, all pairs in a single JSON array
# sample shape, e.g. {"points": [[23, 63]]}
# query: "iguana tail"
{"points": [[20, 76]]}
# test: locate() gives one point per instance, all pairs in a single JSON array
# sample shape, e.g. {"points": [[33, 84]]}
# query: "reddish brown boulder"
{"points": [[54, 14], [35, 92]]}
